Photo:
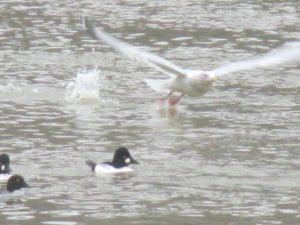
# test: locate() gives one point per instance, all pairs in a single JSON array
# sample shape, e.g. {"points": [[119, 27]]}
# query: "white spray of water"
{"points": [[85, 88]]}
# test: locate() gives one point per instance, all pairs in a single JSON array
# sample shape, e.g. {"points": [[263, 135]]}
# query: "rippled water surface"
{"points": [[229, 157]]}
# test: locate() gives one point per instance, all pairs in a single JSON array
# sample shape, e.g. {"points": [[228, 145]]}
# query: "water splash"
{"points": [[85, 88]]}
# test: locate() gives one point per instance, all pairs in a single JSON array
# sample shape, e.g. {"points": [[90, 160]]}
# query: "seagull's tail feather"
{"points": [[156, 85]]}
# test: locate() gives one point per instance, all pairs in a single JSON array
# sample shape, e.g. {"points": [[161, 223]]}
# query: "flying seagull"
{"points": [[193, 82]]}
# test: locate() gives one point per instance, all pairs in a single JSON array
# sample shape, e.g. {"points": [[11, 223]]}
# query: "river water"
{"points": [[229, 157]]}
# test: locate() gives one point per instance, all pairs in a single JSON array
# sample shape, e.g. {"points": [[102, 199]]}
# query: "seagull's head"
{"points": [[210, 77], [204, 78]]}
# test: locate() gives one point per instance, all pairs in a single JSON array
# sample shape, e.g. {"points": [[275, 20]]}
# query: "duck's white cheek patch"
{"points": [[2, 167], [127, 160]]}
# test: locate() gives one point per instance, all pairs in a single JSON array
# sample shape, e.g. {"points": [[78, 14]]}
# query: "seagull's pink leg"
{"points": [[165, 98], [174, 101]]}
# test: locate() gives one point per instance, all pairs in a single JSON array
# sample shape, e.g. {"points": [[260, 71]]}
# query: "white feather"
{"points": [[159, 63], [287, 53], [195, 82], [4, 178], [108, 169]]}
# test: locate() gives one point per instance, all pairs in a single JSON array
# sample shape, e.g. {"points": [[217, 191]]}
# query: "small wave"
{"points": [[10, 87], [85, 88]]}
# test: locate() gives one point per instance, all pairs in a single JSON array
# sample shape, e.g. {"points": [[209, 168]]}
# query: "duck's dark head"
{"points": [[16, 182], [4, 163], [122, 158]]}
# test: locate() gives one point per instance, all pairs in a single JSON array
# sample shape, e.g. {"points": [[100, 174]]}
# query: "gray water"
{"points": [[229, 157]]}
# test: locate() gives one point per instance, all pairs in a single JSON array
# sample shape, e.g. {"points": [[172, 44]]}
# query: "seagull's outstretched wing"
{"points": [[284, 54], [159, 63]]}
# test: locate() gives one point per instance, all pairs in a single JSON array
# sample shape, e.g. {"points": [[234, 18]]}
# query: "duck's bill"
{"points": [[26, 185], [133, 161], [7, 169]]}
